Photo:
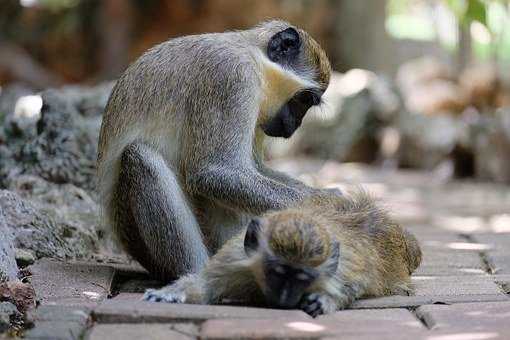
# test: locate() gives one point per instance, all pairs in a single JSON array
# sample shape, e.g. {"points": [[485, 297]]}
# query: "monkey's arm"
{"points": [[226, 276], [188, 289], [289, 180], [244, 188], [284, 178]]}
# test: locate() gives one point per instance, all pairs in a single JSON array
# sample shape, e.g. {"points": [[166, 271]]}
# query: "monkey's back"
{"points": [[376, 252], [157, 101]]}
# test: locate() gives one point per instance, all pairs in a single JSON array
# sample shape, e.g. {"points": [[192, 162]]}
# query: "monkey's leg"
{"points": [[156, 224]]}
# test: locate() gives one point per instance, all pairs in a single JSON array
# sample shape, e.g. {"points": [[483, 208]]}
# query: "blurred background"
{"points": [[418, 84], [417, 113], [418, 109]]}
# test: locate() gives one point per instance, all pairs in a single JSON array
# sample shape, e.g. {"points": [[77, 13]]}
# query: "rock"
{"points": [[38, 232], [71, 207], [8, 268], [27, 111], [428, 87], [426, 141], [436, 97], [24, 257], [59, 143], [89, 101], [8, 312], [480, 83], [9, 95], [421, 71], [20, 294], [492, 147]]}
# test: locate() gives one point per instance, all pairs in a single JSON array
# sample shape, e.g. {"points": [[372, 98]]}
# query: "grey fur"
{"points": [[179, 161]]}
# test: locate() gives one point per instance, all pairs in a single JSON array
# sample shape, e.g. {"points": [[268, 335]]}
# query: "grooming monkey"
{"points": [[180, 149], [317, 256]]}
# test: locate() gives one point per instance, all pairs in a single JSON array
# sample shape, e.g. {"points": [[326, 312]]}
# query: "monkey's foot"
{"points": [[168, 294], [317, 304]]}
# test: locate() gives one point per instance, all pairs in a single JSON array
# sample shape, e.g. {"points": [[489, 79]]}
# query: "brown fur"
{"points": [[377, 256]]}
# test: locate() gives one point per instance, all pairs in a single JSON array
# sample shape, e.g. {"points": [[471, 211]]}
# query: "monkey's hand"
{"points": [[188, 289], [169, 294], [316, 304]]}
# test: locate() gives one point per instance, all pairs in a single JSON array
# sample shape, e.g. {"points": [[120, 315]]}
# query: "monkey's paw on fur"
{"points": [[165, 294], [317, 304]]}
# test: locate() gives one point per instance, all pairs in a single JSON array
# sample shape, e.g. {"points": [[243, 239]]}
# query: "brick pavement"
{"points": [[462, 287]]}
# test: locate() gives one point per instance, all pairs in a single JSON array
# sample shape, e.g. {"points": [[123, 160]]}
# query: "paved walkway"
{"points": [[462, 286]]}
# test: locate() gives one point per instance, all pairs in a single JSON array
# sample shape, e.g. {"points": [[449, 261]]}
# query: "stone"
{"points": [[27, 112], [9, 96], [19, 293], [348, 322], [436, 97], [398, 301], [8, 267], [56, 330], [264, 329], [130, 309], [44, 313], [61, 146], [498, 251], [455, 286], [24, 257], [8, 312], [489, 316], [426, 141], [424, 335], [480, 83], [71, 283], [492, 147], [450, 263], [496, 242], [58, 322], [38, 232], [135, 332], [504, 282], [420, 71], [389, 320]]}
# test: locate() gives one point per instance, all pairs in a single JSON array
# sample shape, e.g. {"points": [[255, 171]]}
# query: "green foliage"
{"points": [[468, 11], [490, 41], [57, 5]]}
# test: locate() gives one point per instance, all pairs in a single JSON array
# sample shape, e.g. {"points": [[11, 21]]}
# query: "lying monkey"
{"points": [[318, 256]]}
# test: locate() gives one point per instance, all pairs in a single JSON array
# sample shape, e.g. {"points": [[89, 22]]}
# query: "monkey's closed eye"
{"points": [[279, 270], [303, 277]]}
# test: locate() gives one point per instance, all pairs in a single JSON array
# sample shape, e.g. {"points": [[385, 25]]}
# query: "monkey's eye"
{"points": [[279, 270], [303, 277]]}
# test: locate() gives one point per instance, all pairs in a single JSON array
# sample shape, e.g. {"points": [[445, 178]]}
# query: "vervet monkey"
{"points": [[180, 159], [318, 256]]}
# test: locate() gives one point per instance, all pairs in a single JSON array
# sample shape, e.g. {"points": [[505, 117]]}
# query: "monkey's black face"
{"points": [[290, 116], [285, 48], [286, 284]]}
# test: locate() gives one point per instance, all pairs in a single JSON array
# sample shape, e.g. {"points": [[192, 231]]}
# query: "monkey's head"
{"points": [[293, 252], [296, 76]]}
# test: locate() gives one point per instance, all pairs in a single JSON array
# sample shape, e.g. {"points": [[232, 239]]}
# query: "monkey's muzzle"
{"points": [[290, 116], [287, 296]]}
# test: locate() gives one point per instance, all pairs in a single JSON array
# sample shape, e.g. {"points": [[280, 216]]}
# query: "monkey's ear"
{"points": [[284, 46], [251, 239]]}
